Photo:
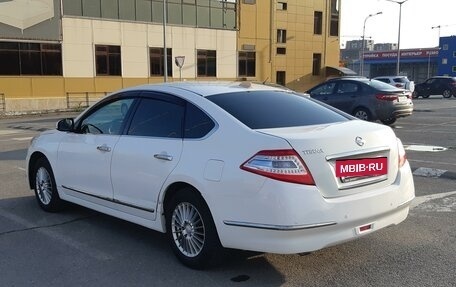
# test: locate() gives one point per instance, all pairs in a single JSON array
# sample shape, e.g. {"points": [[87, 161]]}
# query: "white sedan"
{"points": [[234, 165]]}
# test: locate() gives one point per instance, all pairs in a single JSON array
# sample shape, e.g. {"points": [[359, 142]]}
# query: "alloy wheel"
{"points": [[43, 185], [187, 228]]}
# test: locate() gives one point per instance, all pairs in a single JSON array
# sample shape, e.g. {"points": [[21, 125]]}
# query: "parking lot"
{"points": [[80, 247]]}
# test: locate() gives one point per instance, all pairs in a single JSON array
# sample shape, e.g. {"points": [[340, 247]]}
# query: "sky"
{"points": [[418, 18]]}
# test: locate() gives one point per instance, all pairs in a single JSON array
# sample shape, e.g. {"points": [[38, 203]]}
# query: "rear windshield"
{"points": [[380, 85], [275, 109]]}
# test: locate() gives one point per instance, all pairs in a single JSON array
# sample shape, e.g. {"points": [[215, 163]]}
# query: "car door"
{"points": [[84, 156], [323, 92], [347, 95], [148, 152]]}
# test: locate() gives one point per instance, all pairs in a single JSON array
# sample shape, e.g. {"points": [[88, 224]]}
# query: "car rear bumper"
{"points": [[303, 221]]}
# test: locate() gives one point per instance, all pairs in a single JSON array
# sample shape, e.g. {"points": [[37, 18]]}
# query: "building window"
{"points": [[454, 69], [195, 13], [445, 47], [454, 54], [281, 51], [281, 36], [316, 65], [334, 25], [281, 6], [444, 61], [281, 78], [30, 59], [108, 60], [157, 65], [318, 22], [207, 63], [247, 62]]}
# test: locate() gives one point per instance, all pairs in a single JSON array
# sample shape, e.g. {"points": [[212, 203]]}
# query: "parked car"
{"points": [[401, 82], [445, 86], [365, 99], [232, 165]]}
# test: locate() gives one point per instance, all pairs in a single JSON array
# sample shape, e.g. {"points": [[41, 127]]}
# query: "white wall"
{"points": [[81, 35]]}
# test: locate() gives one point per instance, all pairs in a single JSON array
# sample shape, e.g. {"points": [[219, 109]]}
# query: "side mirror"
{"points": [[65, 125]]}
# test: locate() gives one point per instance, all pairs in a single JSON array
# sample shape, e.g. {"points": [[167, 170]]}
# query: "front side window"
{"points": [[207, 63], [324, 89], [156, 61], [108, 61], [247, 64], [30, 58], [157, 118], [108, 119], [347, 88]]}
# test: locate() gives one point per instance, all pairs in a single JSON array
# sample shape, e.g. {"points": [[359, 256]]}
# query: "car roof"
{"points": [[389, 77], [208, 88]]}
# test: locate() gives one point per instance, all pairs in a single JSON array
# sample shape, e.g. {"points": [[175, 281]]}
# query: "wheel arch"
{"points": [[31, 165], [169, 193], [371, 112]]}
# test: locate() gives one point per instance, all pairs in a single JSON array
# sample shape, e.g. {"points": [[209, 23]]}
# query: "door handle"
{"points": [[163, 157], [104, 148]]}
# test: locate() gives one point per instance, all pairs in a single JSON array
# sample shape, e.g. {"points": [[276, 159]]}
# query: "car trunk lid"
{"points": [[343, 147]]}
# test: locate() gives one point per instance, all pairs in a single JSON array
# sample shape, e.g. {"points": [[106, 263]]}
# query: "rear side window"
{"points": [[275, 109], [197, 123], [157, 118]]}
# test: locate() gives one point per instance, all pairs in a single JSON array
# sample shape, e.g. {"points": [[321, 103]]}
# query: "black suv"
{"points": [[445, 86]]}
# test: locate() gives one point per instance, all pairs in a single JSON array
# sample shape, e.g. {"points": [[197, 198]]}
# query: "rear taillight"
{"points": [[283, 165], [401, 153], [383, 97]]}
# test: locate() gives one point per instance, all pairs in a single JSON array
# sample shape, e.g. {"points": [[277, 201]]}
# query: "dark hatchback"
{"points": [[445, 86], [364, 98]]}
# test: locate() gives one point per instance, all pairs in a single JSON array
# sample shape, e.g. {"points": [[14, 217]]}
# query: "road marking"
{"points": [[9, 132], [425, 198], [20, 168], [433, 162], [429, 172], [22, 139], [428, 148]]}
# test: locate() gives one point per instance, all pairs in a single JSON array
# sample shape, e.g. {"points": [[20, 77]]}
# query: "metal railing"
{"points": [[2, 102], [79, 100]]}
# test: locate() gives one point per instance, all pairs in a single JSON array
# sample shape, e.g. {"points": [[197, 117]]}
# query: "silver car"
{"points": [[401, 82]]}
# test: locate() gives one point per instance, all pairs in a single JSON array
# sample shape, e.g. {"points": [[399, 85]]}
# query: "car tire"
{"points": [[446, 94], [425, 96], [191, 230], [362, 114], [388, 122], [415, 95], [45, 187]]}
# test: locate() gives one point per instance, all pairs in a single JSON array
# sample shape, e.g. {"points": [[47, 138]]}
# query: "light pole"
{"points": [[398, 33], [364, 42], [165, 53]]}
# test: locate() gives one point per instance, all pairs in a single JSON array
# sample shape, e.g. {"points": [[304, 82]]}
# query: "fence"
{"points": [[77, 100], [2, 102]]}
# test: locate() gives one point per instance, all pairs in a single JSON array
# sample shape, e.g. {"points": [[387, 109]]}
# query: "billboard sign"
{"points": [[30, 20]]}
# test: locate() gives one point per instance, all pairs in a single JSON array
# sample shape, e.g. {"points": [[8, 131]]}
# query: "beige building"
{"points": [[84, 49], [294, 41]]}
